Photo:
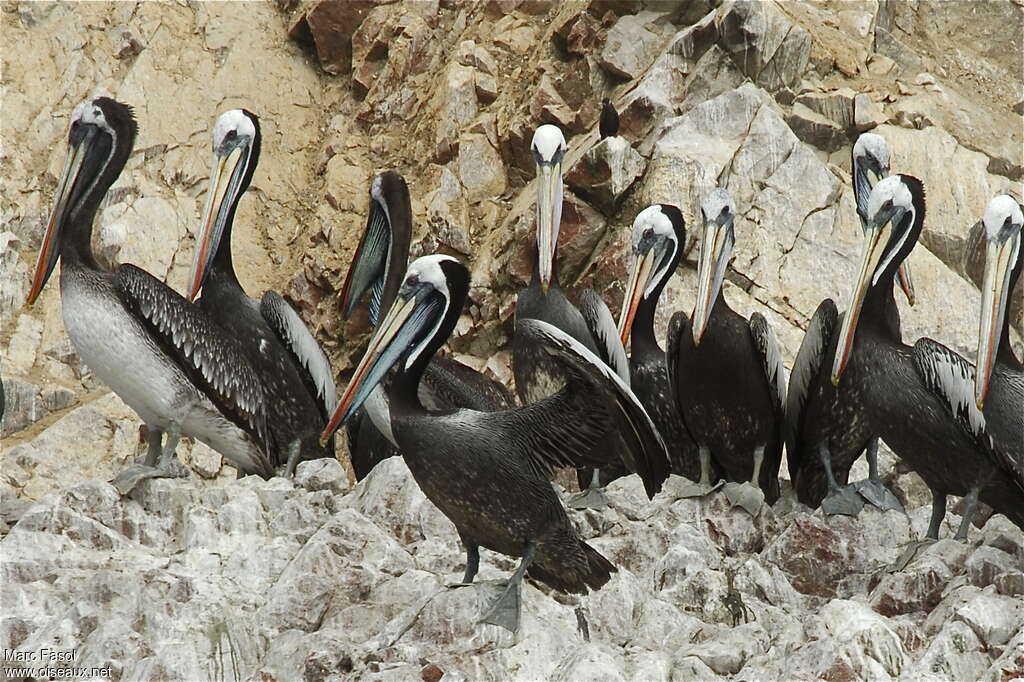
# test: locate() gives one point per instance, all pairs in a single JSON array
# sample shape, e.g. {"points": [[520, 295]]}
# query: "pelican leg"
{"points": [[840, 500], [294, 451], [505, 611], [703, 486], [591, 498], [472, 562], [154, 439], [938, 513], [970, 504], [705, 466], [158, 463], [749, 494], [872, 488]]}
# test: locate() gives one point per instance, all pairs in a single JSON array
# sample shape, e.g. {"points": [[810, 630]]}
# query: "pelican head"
{"points": [[1002, 230], [428, 303], [548, 148], [100, 139], [895, 213], [718, 213], [658, 237], [871, 160], [236, 151], [383, 249]]}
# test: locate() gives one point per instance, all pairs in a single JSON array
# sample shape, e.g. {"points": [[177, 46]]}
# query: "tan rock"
{"points": [[480, 168], [631, 46]]}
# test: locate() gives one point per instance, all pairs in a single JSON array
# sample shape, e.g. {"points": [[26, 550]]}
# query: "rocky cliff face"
{"points": [[212, 578]]}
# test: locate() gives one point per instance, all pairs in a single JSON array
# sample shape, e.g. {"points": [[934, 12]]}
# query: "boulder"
{"points": [[605, 172], [631, 46], [764, 43]]}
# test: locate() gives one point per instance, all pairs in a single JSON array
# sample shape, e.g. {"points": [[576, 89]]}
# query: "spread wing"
{"points": [[813, 349], [305, 351], [564, 429], [211, 358], [606, 335]]}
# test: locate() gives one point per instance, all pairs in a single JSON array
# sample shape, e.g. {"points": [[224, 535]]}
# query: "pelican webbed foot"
{"points": [[843, 500], [166, 467], [591, 498], [877, 495], [505, 611], [871, 489]]}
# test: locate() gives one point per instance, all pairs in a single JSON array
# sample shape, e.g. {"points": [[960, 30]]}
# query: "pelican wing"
{"points": [[951, 378], [809, 360], [771, 358], [564, 429], [305, 351], [678, 328], [448, 383], [606, 335], [211, 358]]}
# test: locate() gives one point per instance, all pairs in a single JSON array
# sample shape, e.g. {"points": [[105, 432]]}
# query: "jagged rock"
{"points": [[584, 36], [815, 129], [631, 46], [53, 459], [547, 105], [447, 212], [517, 37], [655, 98], [867, 113], [713, 75], [835, 105], [21, 351], [955, 653], [26, 403], [457, 105], [13, 276], [411, 51], [986, 564], [480, 168], [813, 556], [764, 43], [329, 27], [919, 586], [486, 87], [122, 225], [973, 126], [606, 171], [694, 40]]}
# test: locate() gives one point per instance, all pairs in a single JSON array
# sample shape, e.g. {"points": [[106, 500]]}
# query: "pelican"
{"points": [[920, 398], [659, 234], [727, 373], [378, 266], [294, 371], [593, 326], [488, 471], [871, 158], [999, 382], [166, 359], [822, 438]]}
